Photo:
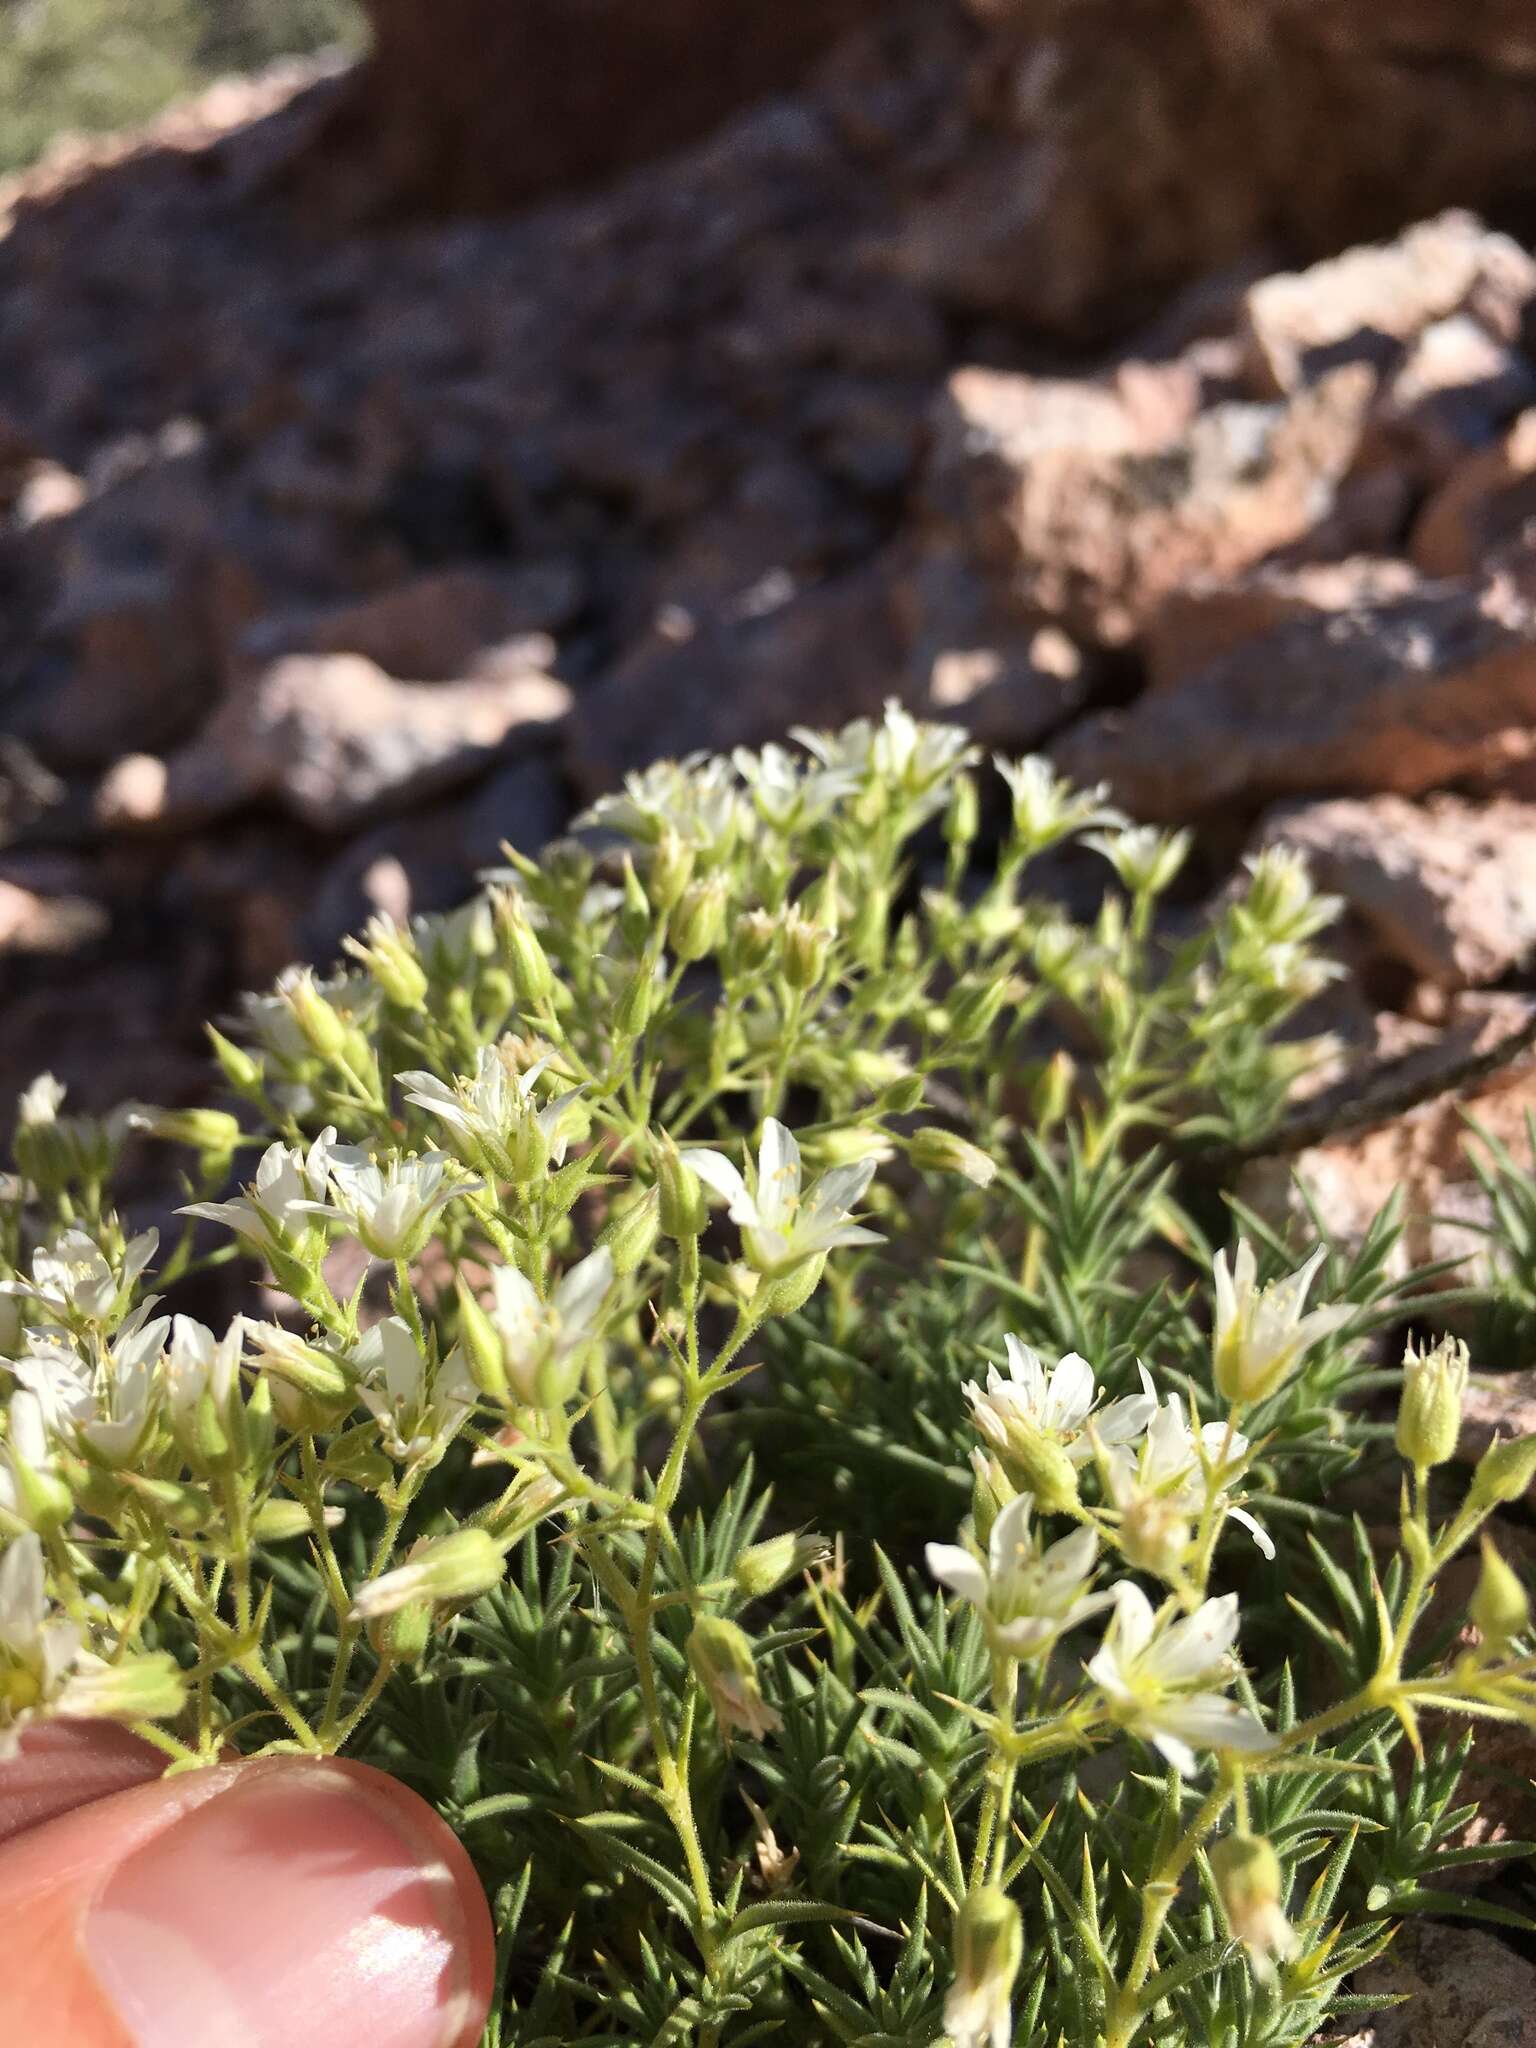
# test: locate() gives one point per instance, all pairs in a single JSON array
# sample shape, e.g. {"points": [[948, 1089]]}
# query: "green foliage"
{"points": [[615, 1505], [71, 66]]}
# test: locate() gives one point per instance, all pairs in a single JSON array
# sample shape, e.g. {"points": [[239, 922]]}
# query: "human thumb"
{"points": [[283, 1903]]}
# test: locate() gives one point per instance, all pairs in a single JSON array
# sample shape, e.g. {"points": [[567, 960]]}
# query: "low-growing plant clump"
{"points": [[756, 1408]]}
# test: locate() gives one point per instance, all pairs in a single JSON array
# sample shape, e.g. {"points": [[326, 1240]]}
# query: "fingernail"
{"points": [[304, 1906]]}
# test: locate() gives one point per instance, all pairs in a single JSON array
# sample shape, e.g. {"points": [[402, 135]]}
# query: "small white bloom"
{"points": [[27, 1442], [1145, 859], [1157, 1676], [494, 1114], [696, 797], [1027, 1594], [389, 1207], [1055, 1404], [41, 1102], [1177, 1469], [275, 1209], [73, 1280], [911, 759], [541, 1340], [417, 1413], [199, 1363], [787, 790], [1047, 808], [1261, 1334], [780, 1226], [989, 1949], [37, 1651]]}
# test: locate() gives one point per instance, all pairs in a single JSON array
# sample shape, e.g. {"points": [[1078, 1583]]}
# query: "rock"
{"points": [[1365, 305], [1485, 504], [1462, 1985], [1423, 1155], [1117, 148], [46, 924], [335, 741], [1447, 887], [1454, 392], [1207, 619], [1400, 695], [814, 658], [436, 627], [1087, 515], [1496, 1405]]}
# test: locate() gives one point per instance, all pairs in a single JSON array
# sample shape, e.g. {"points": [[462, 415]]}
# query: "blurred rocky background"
{"points": [[395, 448]]}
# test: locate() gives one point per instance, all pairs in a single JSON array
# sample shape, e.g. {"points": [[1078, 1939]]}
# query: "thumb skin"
{"points": [[285, 1903]]}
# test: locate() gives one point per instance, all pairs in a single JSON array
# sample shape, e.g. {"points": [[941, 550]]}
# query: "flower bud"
{"points": [[785, 1294], [1053, 1091], [1429, 1409], [989, 1949], [481, 1344], [404, 1633], [670, 869], [1503, 1472], [279, 1521], [991, 1492], [300, 1365], [635, 910], [390, 956], [1154, 1535], [803, 949], [630, 1237], [456, 1567], [322, 1024], [527, 963], [753, 939], [1500, 1608], [149, 1687], [763, 1567], [1038, 1464], [636, 1001], [1251, 1886], [43, 1501], [240, 1069], [698, 922], [936, 1150], [721, 1656], [962, 818], [213, 1132], [903, 1097], [682, 1208]]}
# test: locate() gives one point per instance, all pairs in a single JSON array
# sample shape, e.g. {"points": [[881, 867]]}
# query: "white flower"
{"points": [[1157, 1675], [276, 1207], [780, 1227], [912, 759], [27, 1442], [415, 1415], [989, 1949], [389, 1207], [1145, 859], [110, 1403], [199, 1363], [1027, 1595], [41, 1102], [1261, 1333], [1055, 1404], [1047, 808], [788, 790], [696, 797], [273, 1023], [37, 1651], [541, 1339], [495, 1116], [1178, 1469], [74, 1281]]}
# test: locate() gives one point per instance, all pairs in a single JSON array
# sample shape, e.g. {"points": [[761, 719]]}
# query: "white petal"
{"points": [[719, 1173], [1210, 1721], [1010, 1544], [778, 1175], [957, 1569], [23, 1601], [1027, 1371], [1132, 1622], [1178, 1753], [1256, 1530], [1070, 1395], [579, 1295], [1197, 1643]]}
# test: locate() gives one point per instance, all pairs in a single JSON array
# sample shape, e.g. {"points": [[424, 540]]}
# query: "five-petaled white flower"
{"points": [[1179, 1468], [899, 752], [276, 1207], [197, 1363], [495, 1118], [1055, 1404], [1026, 1593], [417, 1412], [388, 1206], [788, 790], [1158, 1677], [1261, 1333], [541, 1340], [780, 1226], [73, 1281]]}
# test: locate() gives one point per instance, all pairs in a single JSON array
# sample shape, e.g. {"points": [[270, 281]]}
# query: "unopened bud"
{"points": [[698, 923], [456, 1567], [631, 1236], [242, 1070], [635, 910], [763, 1567], [991, 1492], [480, 1342], [989, 1950], [213, 1132], [323, 1027], [143, 1688], [1503, 1472], [1038, 1464], [527, 963], [1251, 1887], [636, 1001], [722, 1660], [1500, 1608], [404, 1633], [279, 1521], [682, 1208], [390, 956], [1053, 1091], [936, 1150], [803, 949], [300, 1365], [753, 939], [1429, 1410], [670, 870]]}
